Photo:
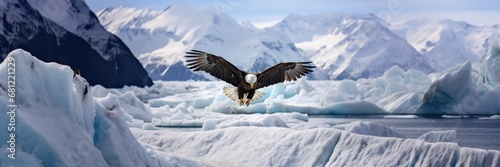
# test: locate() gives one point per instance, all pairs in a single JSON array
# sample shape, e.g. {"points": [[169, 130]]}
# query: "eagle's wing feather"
{"points": [[214, 65], [283, 72]]}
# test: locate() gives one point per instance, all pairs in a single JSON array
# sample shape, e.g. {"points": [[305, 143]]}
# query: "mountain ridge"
{"points": [[25, 27], [172, 34]]}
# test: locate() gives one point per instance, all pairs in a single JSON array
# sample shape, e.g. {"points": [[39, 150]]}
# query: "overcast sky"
{"points": [[266, 12]]}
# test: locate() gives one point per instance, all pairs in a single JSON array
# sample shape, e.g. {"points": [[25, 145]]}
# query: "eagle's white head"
{"points": [[251, 79]]}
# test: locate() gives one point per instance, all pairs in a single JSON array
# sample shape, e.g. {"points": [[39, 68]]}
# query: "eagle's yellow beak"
{"points": [[251, 85]]}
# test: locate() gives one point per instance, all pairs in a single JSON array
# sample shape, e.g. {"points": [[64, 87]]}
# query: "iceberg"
{"points": [[458, 91], [490, 63], [448, 90], [278, 146], [59, 123]]}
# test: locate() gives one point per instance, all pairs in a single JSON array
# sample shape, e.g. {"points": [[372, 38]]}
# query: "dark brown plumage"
{"points": [[247, 83]]}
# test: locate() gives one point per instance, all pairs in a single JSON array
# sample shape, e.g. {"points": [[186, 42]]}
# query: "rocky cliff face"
{"points": [[68, 39]]}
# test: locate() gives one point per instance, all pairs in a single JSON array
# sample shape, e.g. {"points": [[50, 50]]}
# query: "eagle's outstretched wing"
{"points": [[214, 65], [283, 72]]}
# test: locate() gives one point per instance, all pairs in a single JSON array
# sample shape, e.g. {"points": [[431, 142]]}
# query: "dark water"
{"points": [[471, 132]]}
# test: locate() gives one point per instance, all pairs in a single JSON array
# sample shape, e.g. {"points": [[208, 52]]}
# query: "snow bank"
{"points": [[59, 124], [312, 147]]}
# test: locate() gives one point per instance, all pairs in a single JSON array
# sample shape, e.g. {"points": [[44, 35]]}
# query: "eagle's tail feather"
{"points": [[232, 93]]}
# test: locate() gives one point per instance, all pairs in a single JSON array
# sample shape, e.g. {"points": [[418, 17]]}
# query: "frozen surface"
{"points": [[59, 123], [312, 147], [48, 92]]}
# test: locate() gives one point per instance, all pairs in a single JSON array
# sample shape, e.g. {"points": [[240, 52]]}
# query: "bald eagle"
{"points": [[246, 83]]}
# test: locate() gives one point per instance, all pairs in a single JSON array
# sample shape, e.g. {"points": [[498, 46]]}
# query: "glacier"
{"points": [[62, 121], [59, 123]]}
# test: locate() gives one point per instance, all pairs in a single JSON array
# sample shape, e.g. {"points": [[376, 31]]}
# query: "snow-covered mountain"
{"points": [[446, 43], [160, 38], [67, 32], [343, 46], [302, 28], [351, 46]]}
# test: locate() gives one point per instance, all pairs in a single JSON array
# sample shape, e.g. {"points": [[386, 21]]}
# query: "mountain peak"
{"points": [[301, 28]]}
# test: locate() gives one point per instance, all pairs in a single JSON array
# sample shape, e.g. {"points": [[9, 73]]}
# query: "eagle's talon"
{"points": [[241, 102], [247, 103]]}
